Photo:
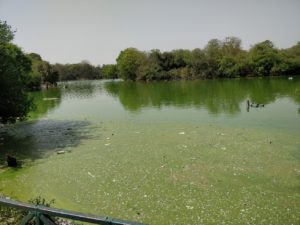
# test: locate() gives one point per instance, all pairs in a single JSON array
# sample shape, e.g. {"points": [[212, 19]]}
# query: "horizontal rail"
{"points": [[65, 213]]}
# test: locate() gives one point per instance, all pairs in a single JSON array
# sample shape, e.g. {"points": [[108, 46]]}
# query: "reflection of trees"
{"points": [[48, 99], [30, 140], [217, 96], [44, 101], [267, 90], [79, 89]]}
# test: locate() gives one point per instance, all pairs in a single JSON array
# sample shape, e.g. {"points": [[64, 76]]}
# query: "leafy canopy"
{"points": [[6, 33], [14, 69]]}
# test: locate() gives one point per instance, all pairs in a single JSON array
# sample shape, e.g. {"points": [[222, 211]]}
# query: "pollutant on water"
{"points": [[171, 153]]}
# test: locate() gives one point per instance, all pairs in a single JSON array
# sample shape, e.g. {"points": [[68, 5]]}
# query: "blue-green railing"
{"points": [[42, 215]]}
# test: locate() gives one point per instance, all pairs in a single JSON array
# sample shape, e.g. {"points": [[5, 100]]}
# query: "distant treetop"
{"points": [[6, 32]]}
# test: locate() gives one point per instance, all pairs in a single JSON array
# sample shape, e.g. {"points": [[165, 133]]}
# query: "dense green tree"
{"points": [[64, 71], [14, 69], [198, 63], [6, 32], [181, 57], [213, 53], [228, 67], [34, 80], [87, 71], [291, 57], [42, 71], [263, 57], [35, 56], [128, 63], [167, 61], [231, 62], [109, 71], [231, 46], [149, 70], [77, 71]]}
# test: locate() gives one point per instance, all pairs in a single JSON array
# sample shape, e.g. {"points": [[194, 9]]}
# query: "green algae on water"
{"points": [[141, 152]]}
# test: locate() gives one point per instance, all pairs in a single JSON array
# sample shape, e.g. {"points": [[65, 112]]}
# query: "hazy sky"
{"points": [[69, 31]]}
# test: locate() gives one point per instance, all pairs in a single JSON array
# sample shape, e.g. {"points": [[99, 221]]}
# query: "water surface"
{"points": [[179, 152]]}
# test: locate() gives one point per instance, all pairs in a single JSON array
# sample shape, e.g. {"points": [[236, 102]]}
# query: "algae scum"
{"points": [[162, 153]]}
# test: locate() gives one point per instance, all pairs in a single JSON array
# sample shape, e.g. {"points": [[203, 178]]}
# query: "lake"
{"points": [[163, 153]]}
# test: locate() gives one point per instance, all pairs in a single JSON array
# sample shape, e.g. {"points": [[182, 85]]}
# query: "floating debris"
{"points": [[189, 207], [60, 152], [107, 144], [223, 148], [182, 132], [296, 170], [89, 173], [50, 99]]}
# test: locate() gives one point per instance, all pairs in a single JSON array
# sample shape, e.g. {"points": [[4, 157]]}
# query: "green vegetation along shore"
{"points": [[218, 59]]}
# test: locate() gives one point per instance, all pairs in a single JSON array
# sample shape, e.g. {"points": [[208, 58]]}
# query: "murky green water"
{"points": [[181, 152]]}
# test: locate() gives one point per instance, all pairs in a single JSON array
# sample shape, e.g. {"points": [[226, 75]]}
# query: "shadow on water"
{"points": [[217, 96], [32, 140]]}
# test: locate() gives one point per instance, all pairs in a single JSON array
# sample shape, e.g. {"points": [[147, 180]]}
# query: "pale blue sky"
{"points": [[68, 31]]}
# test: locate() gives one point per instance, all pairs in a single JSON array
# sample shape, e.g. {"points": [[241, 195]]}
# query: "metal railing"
{"points": [[42, 215]]}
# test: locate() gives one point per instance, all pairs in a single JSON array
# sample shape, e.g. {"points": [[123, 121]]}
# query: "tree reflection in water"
{"points": [[217, 96]]}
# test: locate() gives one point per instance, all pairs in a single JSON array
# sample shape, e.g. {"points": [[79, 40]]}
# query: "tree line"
{"points": [[218, 59]]}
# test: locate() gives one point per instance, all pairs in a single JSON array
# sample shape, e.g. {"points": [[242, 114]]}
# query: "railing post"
{"points": [[27, 218], [42, 215], [46, 220]]}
